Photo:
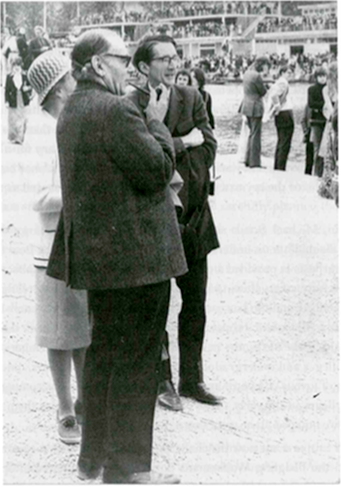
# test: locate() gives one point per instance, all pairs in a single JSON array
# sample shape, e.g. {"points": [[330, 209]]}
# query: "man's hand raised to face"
{"points": [[158, 104]]}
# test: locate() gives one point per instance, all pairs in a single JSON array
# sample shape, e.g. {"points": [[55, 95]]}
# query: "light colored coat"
{"points": [[48, 200]]}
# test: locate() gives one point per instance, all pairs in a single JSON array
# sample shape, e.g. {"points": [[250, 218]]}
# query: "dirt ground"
{"points": [[271, 346]]}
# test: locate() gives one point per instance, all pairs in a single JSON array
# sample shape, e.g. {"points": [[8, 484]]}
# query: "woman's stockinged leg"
{"points": [[60, 364], [78, 358]]}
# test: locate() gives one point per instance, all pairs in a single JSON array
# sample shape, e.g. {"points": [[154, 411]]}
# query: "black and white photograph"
{"points": [[170, 242]]}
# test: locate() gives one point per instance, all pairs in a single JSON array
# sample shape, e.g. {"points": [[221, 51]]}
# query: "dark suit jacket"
{"points": [[254, 90], [315, 103], [119, 226], [11, 91], [187, 111]]}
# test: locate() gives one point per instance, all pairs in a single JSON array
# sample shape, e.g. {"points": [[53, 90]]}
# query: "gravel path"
{"points": [[271, 345]]}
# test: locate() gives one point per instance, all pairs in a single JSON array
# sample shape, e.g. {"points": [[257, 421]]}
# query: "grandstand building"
{"points": [[243, 27]]}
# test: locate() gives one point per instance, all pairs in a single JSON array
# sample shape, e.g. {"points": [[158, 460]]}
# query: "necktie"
{"points": [[158, 93]]}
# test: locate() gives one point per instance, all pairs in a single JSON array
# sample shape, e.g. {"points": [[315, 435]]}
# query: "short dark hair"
{"points": [[200, 77], [144, 51], [260, 62], [320, 72], [184, 72]]}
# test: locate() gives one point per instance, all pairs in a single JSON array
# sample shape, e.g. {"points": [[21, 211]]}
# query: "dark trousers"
{"points": [[192, 320], [309, 157], [284, 122], [317, 133], [121, 375], [254, 142]]}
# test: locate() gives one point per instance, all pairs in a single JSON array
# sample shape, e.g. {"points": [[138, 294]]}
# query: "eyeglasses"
{"points": [[125, 59], [167, 59]]}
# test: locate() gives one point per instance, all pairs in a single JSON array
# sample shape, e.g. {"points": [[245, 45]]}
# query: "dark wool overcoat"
{"points": [[254, 90], [11, 91], [118, 227], [187, 111]]}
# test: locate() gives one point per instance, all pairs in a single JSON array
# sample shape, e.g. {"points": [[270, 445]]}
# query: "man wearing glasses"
{"points": [[118, 238], [195, 147]]}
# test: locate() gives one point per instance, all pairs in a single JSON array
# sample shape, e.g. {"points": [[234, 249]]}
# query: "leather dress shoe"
{"points": [[153, 478], [168, 397], [89, 477], [199, 392]]}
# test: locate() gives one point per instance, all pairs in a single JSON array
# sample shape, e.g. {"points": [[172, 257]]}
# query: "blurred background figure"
{"points": [[281, 108], [22, 44], [329, 143], [252, 107], [199, 81], [17, 98], [10, 50], [318, 120], [183, 78], [39, 44]]}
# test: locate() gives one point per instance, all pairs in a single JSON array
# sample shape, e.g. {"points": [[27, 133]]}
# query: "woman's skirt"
{"points": [[17, 121], [62, 318]]}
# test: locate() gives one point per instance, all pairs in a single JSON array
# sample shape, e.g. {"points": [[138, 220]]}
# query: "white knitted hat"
{"points": [[46, 70]]}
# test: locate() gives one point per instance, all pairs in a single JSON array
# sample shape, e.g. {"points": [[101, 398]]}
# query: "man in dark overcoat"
{"points": [[252, 107], [195, 148], [118, 239]]}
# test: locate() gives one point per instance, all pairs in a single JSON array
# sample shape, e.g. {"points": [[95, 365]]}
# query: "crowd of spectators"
{"points": [[202, 29], [172, 10], [298, 23], [230, 66], [193, 9]]}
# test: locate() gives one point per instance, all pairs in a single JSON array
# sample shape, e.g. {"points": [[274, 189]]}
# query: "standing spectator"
{"points": [[195, 148], [17, 98], [118, 238], [330, 95], [22, 43], [252, 108], [318, 121], [198, 81], [62, 316], [281, 106], [10, 49], [37, 46]]}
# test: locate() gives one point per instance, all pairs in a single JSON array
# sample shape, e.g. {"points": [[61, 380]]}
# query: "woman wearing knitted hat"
{"points": [[62, 318]]}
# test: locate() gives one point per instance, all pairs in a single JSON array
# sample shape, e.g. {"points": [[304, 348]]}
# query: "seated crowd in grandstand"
{"points": [[298, 23], [157, 10]]}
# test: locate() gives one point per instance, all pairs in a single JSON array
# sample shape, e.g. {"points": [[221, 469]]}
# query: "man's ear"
{"points": [[143, 68], [97, 66]]}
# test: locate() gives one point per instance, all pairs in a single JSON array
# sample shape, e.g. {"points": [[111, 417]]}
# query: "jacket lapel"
{"points": [[176, 105]]}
